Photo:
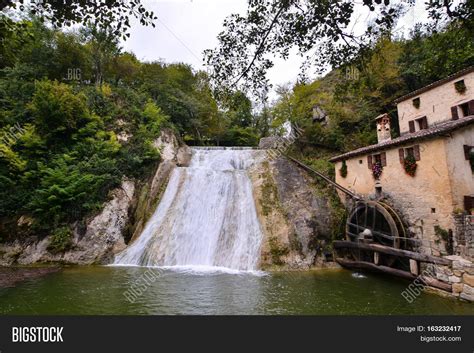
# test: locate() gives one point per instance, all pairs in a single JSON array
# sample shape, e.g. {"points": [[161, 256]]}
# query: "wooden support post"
{"points": [[414, 267], [376, 257]]}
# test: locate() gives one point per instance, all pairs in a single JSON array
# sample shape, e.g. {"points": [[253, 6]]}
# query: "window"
{"points": [[418, 124], [469, 155], [422, 123], [460, 86], [468, 203], [416, 102], [377, 158], [464, 109], [413, 151]]}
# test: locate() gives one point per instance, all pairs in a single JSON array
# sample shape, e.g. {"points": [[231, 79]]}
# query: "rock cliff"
{"points": [[295, 218]]}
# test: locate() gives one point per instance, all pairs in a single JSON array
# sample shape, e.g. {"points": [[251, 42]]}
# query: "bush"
{"points": [[57, 110], [61, 240]]}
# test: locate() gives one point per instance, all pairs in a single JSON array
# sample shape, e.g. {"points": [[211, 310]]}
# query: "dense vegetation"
{"points": [[78, 114]]}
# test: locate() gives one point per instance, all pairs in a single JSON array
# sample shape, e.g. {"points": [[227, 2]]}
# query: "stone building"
{"points": [[426, 174]]}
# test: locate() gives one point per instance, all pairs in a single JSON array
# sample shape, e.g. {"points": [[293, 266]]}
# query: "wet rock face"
{"points": [[309, 213], [294, 218]]}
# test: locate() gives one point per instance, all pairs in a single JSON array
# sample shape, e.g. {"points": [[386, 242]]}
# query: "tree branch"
{"points": [[260, 47]]}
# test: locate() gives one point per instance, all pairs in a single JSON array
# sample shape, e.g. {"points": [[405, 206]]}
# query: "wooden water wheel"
{"points": [[371, 221]]}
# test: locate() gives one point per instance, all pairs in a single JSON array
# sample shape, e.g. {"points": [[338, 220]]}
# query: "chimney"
{"points": [[383, 128]]}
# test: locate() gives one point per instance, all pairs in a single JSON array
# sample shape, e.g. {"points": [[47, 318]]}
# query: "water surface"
{"points": [[100, 290]]}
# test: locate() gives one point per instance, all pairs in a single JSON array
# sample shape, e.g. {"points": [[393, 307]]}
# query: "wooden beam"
{"points": [[363, 265], [370, 266], [341, 244], [433, 282]]}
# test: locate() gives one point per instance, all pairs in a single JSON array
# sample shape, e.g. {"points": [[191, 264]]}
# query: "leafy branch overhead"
{"points": [[321, 31], [113, 16]]}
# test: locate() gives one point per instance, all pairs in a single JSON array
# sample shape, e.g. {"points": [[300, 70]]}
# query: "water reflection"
{"points": [[100, 290]]}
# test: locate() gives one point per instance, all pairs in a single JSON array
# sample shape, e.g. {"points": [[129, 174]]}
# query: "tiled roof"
{"points": [[433, 131], [434, 84]]}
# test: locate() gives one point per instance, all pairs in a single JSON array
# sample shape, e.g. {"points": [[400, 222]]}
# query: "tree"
{"points": [[103, 47], [106, 15], [320, 30]]}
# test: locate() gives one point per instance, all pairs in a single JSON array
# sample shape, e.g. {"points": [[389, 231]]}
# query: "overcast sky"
{"points": [[187, 27]]}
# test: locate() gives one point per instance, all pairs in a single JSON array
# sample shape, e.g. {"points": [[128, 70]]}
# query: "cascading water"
{"points": [[206, 217]]}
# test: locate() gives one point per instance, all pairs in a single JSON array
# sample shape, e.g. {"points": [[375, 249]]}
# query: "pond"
{"points": [[104, 290]]}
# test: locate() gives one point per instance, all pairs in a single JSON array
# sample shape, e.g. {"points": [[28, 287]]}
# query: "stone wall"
{"points": [[464, 236], [460, 275]]}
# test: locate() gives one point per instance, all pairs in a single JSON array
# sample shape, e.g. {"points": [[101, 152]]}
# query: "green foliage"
{"points": [[460, 86], [61, 240], [238, 136], [69, 188], [321, 31], [343, 170], [154, 118], [110, 15], [444, 235], [57, 110]]}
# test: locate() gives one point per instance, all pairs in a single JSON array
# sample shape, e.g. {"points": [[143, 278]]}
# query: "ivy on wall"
{"points": [[343, 170]]}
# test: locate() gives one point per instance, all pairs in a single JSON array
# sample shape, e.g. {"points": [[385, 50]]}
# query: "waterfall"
{"points": [[206, 217]]}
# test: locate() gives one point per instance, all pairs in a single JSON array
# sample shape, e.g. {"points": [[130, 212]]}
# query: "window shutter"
{"points": [[416, 152], [454, 113], [467, 151], [401, 155], [369, 162], [411, 125], [468, 203], [471, 107], [383, 159], [424, 122]]}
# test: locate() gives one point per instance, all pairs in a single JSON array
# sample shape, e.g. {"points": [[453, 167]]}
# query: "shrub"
{"points": [[343, 170], [61, 240]]}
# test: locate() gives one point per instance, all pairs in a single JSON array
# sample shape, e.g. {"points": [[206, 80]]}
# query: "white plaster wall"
{"points": [[461, 176], [435, 104]]}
